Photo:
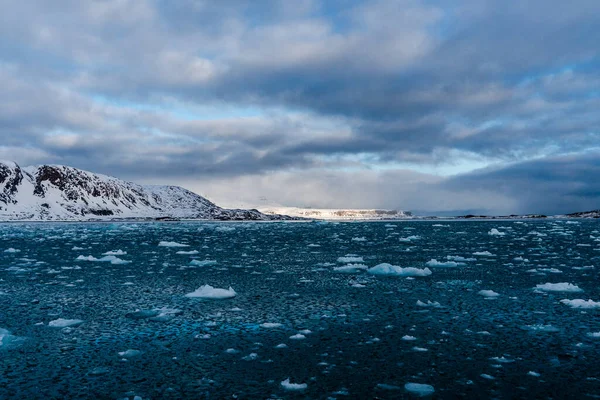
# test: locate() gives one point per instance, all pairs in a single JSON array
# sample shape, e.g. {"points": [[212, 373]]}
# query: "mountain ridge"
{"points": [[57, 192]]}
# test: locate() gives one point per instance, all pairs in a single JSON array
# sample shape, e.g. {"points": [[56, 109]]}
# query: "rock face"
{"points": [[585, 214], [56, 192]]}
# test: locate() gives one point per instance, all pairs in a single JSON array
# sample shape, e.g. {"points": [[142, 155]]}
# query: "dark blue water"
{"points": [[364, 335]]}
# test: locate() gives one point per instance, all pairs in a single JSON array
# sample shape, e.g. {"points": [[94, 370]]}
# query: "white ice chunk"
{"points": [[394, 270], [580, 303], [271, 325], [442, 264], [115, 253], [483, 253], [419, 389], [558, 287], [488, 293], [350, 259], [293, 387], [351, 268], [209, 292], [63, 323], [496, 232], [191, 252], [203, 263], [172, 244]]}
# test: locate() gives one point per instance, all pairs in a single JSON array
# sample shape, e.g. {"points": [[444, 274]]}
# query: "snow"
{"points": [[209, 292], [442, 264], [394, 270], [580, 303], [63, 323], [293, 387], [172, 244], [488, 293], [558, 287], [337, 214], [419, 389]]}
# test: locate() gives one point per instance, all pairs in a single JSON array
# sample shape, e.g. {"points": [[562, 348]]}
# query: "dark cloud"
{"points": [[116, 86]]}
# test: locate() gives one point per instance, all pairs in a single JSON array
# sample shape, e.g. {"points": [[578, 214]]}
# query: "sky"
{"points": [[434, 106]]}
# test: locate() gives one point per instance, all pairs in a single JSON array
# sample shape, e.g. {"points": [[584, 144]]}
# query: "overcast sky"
{"points": [[439, 105]]}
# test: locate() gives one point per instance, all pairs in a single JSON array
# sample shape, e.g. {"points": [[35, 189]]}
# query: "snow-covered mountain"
{"points": [[338, 214], [56, 192]]}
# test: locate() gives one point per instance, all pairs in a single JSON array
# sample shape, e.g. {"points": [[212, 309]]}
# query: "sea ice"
{"points": [[442, 264], [191, 252], [298, 336], [172, 244], [209, 292], [419, 389], [115, 253], [293, 387], [203, 263], [483, 253], [271, 325], [496, 232], [394, 270], [488, 293], [130, 353], [350, 259], [63, 323], [111, 259], [558, 287], [11, 250], [351, 268], [580, 303]]}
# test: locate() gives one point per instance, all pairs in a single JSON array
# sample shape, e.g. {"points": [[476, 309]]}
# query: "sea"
{"points": [[500, 309]]}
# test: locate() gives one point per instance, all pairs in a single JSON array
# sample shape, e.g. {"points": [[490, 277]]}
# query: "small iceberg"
{"points": [[63, 323], [419, 389], [394, 270], [209, 292], [293, 387]]}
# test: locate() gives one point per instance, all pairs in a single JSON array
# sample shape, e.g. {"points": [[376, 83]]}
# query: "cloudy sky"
{"points": [[432, 105]]}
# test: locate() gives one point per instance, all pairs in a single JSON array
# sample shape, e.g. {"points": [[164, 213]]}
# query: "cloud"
{"points": [[241, 91]]}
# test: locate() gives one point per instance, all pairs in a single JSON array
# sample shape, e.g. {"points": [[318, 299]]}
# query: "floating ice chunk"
{"points": [[6, 337], [594, 334], [502, 360], [298, 336], [488, 293], [419, 389], [203, 263], [172, 244], [409, 238], [63, 323], [541, 328], [11, 250], [394, 270], [250, 357], [130, 353], [460, 259], [428, 304], [408, 338], [580, 303], [232, 351], [496, 232], [442, 264], [533, 373], [359, 239], [420, 349], [488, 377], [351, 268], [293, 387], [281, 346], [350, 259], [483, 253], [111, 259], [209, 292], [558, 287], [191, 252], [271, 325], [115, 253]]}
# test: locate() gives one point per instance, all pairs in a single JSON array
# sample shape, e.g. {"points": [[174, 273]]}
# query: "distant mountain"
{"points": [[338, 214], [585, 214], [56, 192]]}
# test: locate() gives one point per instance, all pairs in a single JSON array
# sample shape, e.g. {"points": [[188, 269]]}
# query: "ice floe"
{"points": [[271, 325], [172, 244], [111, 259], [558, 287], [496, 232], [351, 268], [63, 323], [490, 294], [442, 264], [419, 389], [209, 292], [203, 263], [580, 303], [350, 259], [293, 387], [394, 270]]}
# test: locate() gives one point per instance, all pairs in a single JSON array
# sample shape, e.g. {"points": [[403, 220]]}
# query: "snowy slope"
{"points": [[55, 192], [338, 214]]}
